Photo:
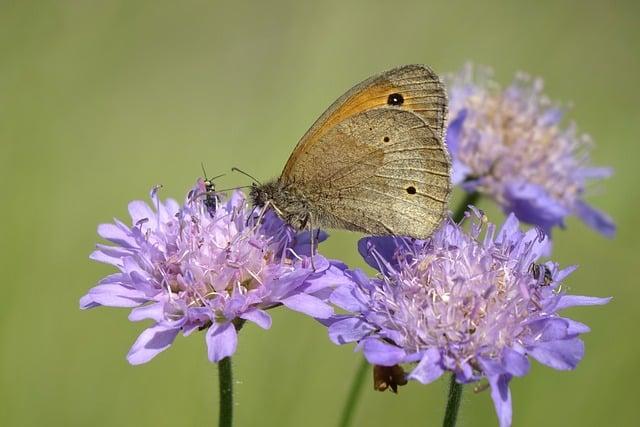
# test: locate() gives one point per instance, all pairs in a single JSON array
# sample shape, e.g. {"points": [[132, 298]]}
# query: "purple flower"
{"points": [[195, 267], [511, 144], [474, 303]]}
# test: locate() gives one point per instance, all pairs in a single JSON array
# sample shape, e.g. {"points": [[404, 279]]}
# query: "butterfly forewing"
{"points": [[411, 87]]}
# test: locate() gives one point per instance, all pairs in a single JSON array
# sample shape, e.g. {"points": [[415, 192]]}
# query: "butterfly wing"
{"points": [[411, 87], [380, 171]]}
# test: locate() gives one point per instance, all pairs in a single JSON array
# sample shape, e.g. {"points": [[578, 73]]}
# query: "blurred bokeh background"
{"points": [[100, 100]]}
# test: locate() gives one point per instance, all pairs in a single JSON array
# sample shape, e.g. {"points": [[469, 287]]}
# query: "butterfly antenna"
{"points": [[235, 169], [204, 172], [234, 188]]}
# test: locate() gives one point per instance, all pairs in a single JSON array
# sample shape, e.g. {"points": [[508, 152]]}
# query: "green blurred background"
{"points": [[99, 101]]}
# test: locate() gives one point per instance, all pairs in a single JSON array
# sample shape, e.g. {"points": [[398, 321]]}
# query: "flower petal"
{"points": [[308, 305], [139, 210], [113, 296], [151, 342], [429, 369], [566, 301], [345, 298], [151, 311], [378, 353], [514, 362], [501, 396], [560, 354], [222, 340], [379, 251], [349, 330], [116, 235], [532, 204], [259, 317], [595, 219]]}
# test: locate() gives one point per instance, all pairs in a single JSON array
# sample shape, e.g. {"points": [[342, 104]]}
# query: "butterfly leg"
{"points": [[309, 221]]}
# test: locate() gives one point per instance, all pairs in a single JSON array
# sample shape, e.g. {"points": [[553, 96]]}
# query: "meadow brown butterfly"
{"points": [[374, 162]]}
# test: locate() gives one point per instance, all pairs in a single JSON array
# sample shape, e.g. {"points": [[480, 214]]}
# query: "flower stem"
{"points": [[453, 404], [469, 199], [350, 405], [226, 393]]}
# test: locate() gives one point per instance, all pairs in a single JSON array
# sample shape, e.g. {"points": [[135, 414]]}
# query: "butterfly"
{"points": [[374, 162]]}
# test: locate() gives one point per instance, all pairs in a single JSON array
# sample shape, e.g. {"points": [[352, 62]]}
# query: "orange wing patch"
{"points": [[413, 87]]}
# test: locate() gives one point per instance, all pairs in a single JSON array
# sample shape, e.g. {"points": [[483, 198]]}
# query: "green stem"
{"points": [[453, 404], [350, 405], [226, 393], [469, 199], [455, 389]]}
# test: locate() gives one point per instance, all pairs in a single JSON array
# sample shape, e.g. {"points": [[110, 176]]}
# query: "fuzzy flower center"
{"points": [[212, 258], [515, 134], [467, 299]]}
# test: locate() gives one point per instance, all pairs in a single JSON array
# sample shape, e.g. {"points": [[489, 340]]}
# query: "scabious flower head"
{"points": [[474, 303], [512, 145], [201, 266]]}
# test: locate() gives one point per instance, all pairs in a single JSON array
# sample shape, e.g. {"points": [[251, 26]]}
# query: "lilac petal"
{"points": [[152, 341], [113, 296], [561, 354], [302, 242], [384, 247], [429, 369], [566, 301], [379, 353], [195, 318], [460, 172], [491, 367], [510, 227], [345, 298], [329, 279], [549, 329], [594, 172], [454, 130], [564, 273], [281, 286], [259, 317], [595, 219], [151, 311], [514, 362], [576, 328], [349, 330], [116, 235], [532, 204], [101, 256], [551, 117], [139, 210], [222, 340], [501, 396], [308, 305]]}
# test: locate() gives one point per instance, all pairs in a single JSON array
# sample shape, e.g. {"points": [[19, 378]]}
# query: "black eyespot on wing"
{"points": [[395, 99], [385, 139], [411, 189]]}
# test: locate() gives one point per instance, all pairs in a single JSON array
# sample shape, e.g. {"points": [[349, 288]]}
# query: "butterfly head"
{"points": [[261, 194]]}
